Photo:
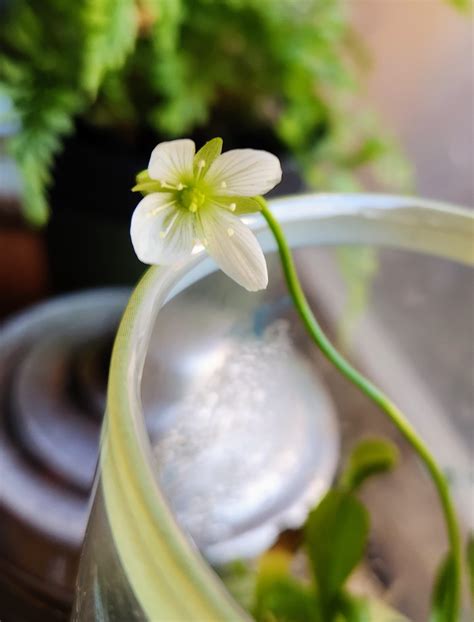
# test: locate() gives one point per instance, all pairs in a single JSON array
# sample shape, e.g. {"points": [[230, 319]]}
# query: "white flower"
{"points": [[194, 199]]}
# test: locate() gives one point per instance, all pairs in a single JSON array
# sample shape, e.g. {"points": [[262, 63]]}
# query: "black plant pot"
{"points": [[92, 204]]}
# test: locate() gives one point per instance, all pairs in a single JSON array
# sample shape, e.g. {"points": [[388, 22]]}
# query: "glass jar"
{"points": [[137, 562]]}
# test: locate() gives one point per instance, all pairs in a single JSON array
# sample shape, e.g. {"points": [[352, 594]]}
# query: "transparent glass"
{"points": [[138, 563]]}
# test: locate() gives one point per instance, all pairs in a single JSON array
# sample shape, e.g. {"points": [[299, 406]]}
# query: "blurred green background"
{"points": [[88, 88]]}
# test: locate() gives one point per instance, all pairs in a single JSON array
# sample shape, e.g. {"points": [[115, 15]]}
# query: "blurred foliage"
{"points": [[463, 5], [334, 540], [444, 593], [290, 67], [369, 457], [279, 596], [336, 535], [53, 57], [470, 564]]}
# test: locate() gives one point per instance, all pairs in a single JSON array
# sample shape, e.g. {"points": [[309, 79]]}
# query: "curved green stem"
{"points": [[375, 394]]}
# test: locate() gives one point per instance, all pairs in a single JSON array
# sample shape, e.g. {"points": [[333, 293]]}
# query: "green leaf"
{"points": [[240, 578], [111, 30], [369, 457], [443, 608], [470, 564], [53, 56], [353, 609], [336, 537], [206, 156], [45, 120], [279, 597], [361, 609], [285, 600]]}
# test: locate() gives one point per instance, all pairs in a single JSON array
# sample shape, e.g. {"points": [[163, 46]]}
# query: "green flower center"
{"points": [[190, 198]]}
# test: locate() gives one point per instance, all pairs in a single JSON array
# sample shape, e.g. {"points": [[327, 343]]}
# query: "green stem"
{"points": [[375, 394]]}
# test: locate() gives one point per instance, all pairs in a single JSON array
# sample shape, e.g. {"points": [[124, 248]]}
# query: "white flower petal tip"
{"points": [[171, 161], [234, 248], [259, 284], [244, 172]]}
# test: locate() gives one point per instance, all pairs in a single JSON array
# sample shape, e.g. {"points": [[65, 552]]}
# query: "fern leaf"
{"points": [[47, 116], [111, 30]]}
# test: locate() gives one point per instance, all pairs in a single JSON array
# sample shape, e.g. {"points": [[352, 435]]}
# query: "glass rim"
{"points": [[166, 572]]}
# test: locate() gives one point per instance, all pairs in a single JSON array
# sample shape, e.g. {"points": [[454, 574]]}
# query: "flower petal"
{"points": [[245, 172], [172, 161], [206, 156], [161, 233], [239, 206], [233, 247]]}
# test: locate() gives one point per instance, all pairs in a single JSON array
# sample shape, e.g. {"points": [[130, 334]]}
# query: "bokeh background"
{"points": [[414, 73], [373, 95]]}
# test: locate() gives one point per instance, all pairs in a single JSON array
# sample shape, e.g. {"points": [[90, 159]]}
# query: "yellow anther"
{"points": [[233, 207], [230, 232], [193, 207], [223, 184], [202, 163]]}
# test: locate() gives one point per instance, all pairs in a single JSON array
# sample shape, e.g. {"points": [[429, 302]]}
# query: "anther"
{"points": [[223, 184], [233, 207], [202, 163], [230, 232]]}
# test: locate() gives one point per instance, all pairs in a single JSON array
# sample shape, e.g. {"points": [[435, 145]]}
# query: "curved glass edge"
{"points": [[383, 220], [167, 574]]}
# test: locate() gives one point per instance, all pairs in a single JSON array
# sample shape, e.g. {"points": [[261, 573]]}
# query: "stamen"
{"points": [[223, 184], [233, 207], [200, 165], [230, 232], [193, 207], [179, 186], [160, 208], [165, 232]]}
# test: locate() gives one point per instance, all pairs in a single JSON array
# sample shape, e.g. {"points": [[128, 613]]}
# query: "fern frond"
{"points": [[111, 30], [42, 90], [53, 56], [47, 116]]}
